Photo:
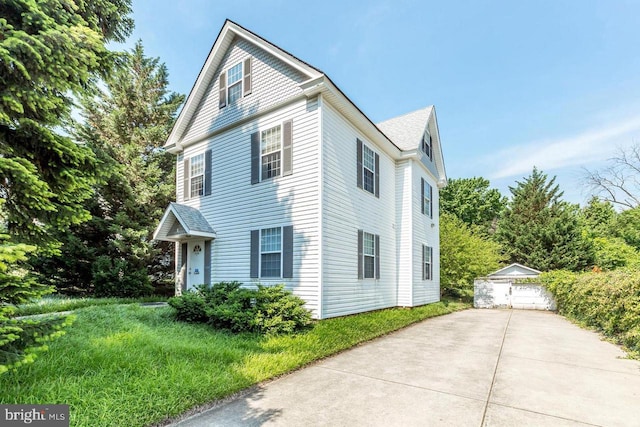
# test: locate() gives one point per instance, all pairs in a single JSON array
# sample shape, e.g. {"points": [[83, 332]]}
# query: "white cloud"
{"points": [[577, 150]]}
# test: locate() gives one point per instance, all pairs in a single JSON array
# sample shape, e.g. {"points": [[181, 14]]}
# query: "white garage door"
{"points": [[531, 297]]}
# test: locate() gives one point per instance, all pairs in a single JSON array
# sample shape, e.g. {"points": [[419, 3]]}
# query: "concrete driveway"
{"points": [[472, 368]]}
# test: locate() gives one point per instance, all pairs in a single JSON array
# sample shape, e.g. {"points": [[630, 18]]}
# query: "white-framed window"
{"points": [[271, 152], [271, 252], [427, 262], [196, 183], [427, 144], [427, 194], [368, 169], [369, 254], [234, 82]]}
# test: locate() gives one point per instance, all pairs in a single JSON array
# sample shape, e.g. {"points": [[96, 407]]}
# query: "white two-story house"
{"points": [[283, 179]]}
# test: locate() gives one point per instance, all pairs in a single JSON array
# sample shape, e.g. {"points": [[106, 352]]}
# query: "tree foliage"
{"points": [[48, 52], [471, 200], [464, 255], [540, 230], [124, 124]]}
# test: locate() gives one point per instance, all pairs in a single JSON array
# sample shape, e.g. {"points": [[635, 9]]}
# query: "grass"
{"points": [[54, 304], [134, 366]]}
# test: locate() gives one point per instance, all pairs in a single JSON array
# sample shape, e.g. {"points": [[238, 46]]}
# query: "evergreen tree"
{"points": [[125, 124], [540, 230], [471, 200], [49, 51]]}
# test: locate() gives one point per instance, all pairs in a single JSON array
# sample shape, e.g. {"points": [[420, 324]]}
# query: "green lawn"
{"points": [[129, 365], [55, 303]]}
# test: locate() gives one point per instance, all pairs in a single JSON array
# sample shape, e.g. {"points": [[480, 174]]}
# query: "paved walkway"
{"points": [[472, 368]]}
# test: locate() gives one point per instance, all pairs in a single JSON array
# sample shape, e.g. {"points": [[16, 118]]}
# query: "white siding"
{"points": [[346, 208], [236, 207], [404, 231], [426, 231], [272, 82]]}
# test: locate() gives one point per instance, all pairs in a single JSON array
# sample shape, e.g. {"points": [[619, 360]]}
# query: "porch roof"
{"points": [[181, 222]]}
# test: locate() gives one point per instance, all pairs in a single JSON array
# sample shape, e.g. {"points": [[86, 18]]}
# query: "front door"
{"points": [[195, 263]]}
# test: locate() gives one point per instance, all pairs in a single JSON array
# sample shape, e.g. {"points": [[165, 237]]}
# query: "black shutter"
{"points": [[377, 176], [430, 263], [424, 260], [255, 253], [287, 148], [223, 90], [207, 262], [377, 240], [255, 157], [430, 201], [422, 195], [183, 265], [430, 147], [207, 173], [359, 162], [360, 254], [287, 251], [185, 172], [247, 77]]}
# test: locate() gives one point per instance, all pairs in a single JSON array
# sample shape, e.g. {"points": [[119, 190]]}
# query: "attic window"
{"points": [[234, 77], [427, 144]]}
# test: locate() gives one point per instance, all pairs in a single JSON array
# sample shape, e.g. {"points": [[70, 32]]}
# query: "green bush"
{"points": [[226, 305], [117, 278], [190, 307], [607, 301]]}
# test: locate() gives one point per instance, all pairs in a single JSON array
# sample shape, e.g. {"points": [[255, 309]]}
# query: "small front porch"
{"points": [[193, 235]]}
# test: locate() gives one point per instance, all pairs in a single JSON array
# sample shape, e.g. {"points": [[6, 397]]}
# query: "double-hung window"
{"points": [[270, 252], [427, 144], [427, 262], [368, 165], [197, 176], [368, 255], [427, 198], [271, 152], [234, 82]]}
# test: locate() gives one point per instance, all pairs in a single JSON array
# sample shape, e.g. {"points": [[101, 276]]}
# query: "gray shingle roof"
{"points": [[192, 218], [406, 131]]}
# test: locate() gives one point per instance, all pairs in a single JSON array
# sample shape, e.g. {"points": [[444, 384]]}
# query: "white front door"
{"points": [[195, 263]]}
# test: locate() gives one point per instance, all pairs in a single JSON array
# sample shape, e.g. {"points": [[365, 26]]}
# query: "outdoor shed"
{"points": [[505, 289]]}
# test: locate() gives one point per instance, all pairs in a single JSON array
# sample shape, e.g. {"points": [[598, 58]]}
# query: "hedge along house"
{"points": [[282, 179]]}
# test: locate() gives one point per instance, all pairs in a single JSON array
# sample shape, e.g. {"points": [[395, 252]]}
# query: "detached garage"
{"points": [[502, 289]]}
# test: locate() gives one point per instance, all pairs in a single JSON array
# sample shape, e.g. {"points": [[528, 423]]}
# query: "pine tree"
{"points": [[540, 230], [125, 124], [49, 51]]}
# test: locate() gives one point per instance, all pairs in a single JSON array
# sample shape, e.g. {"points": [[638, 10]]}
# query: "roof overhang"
{"points": [[174, 227]]}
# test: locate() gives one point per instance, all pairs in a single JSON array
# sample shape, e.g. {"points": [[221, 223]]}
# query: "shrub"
{"points": [[226, 305], [279, 311], [117, 278], [190, 307], [607, 301]]}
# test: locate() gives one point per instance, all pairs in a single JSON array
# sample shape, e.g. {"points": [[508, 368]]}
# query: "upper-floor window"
{"points": [[427, 198], [427, 144], [368, 165], [271, 152], [197, 176], [235, 82]]}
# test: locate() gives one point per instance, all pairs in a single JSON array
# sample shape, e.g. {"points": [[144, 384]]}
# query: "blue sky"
{"points": [[550, 83]]}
